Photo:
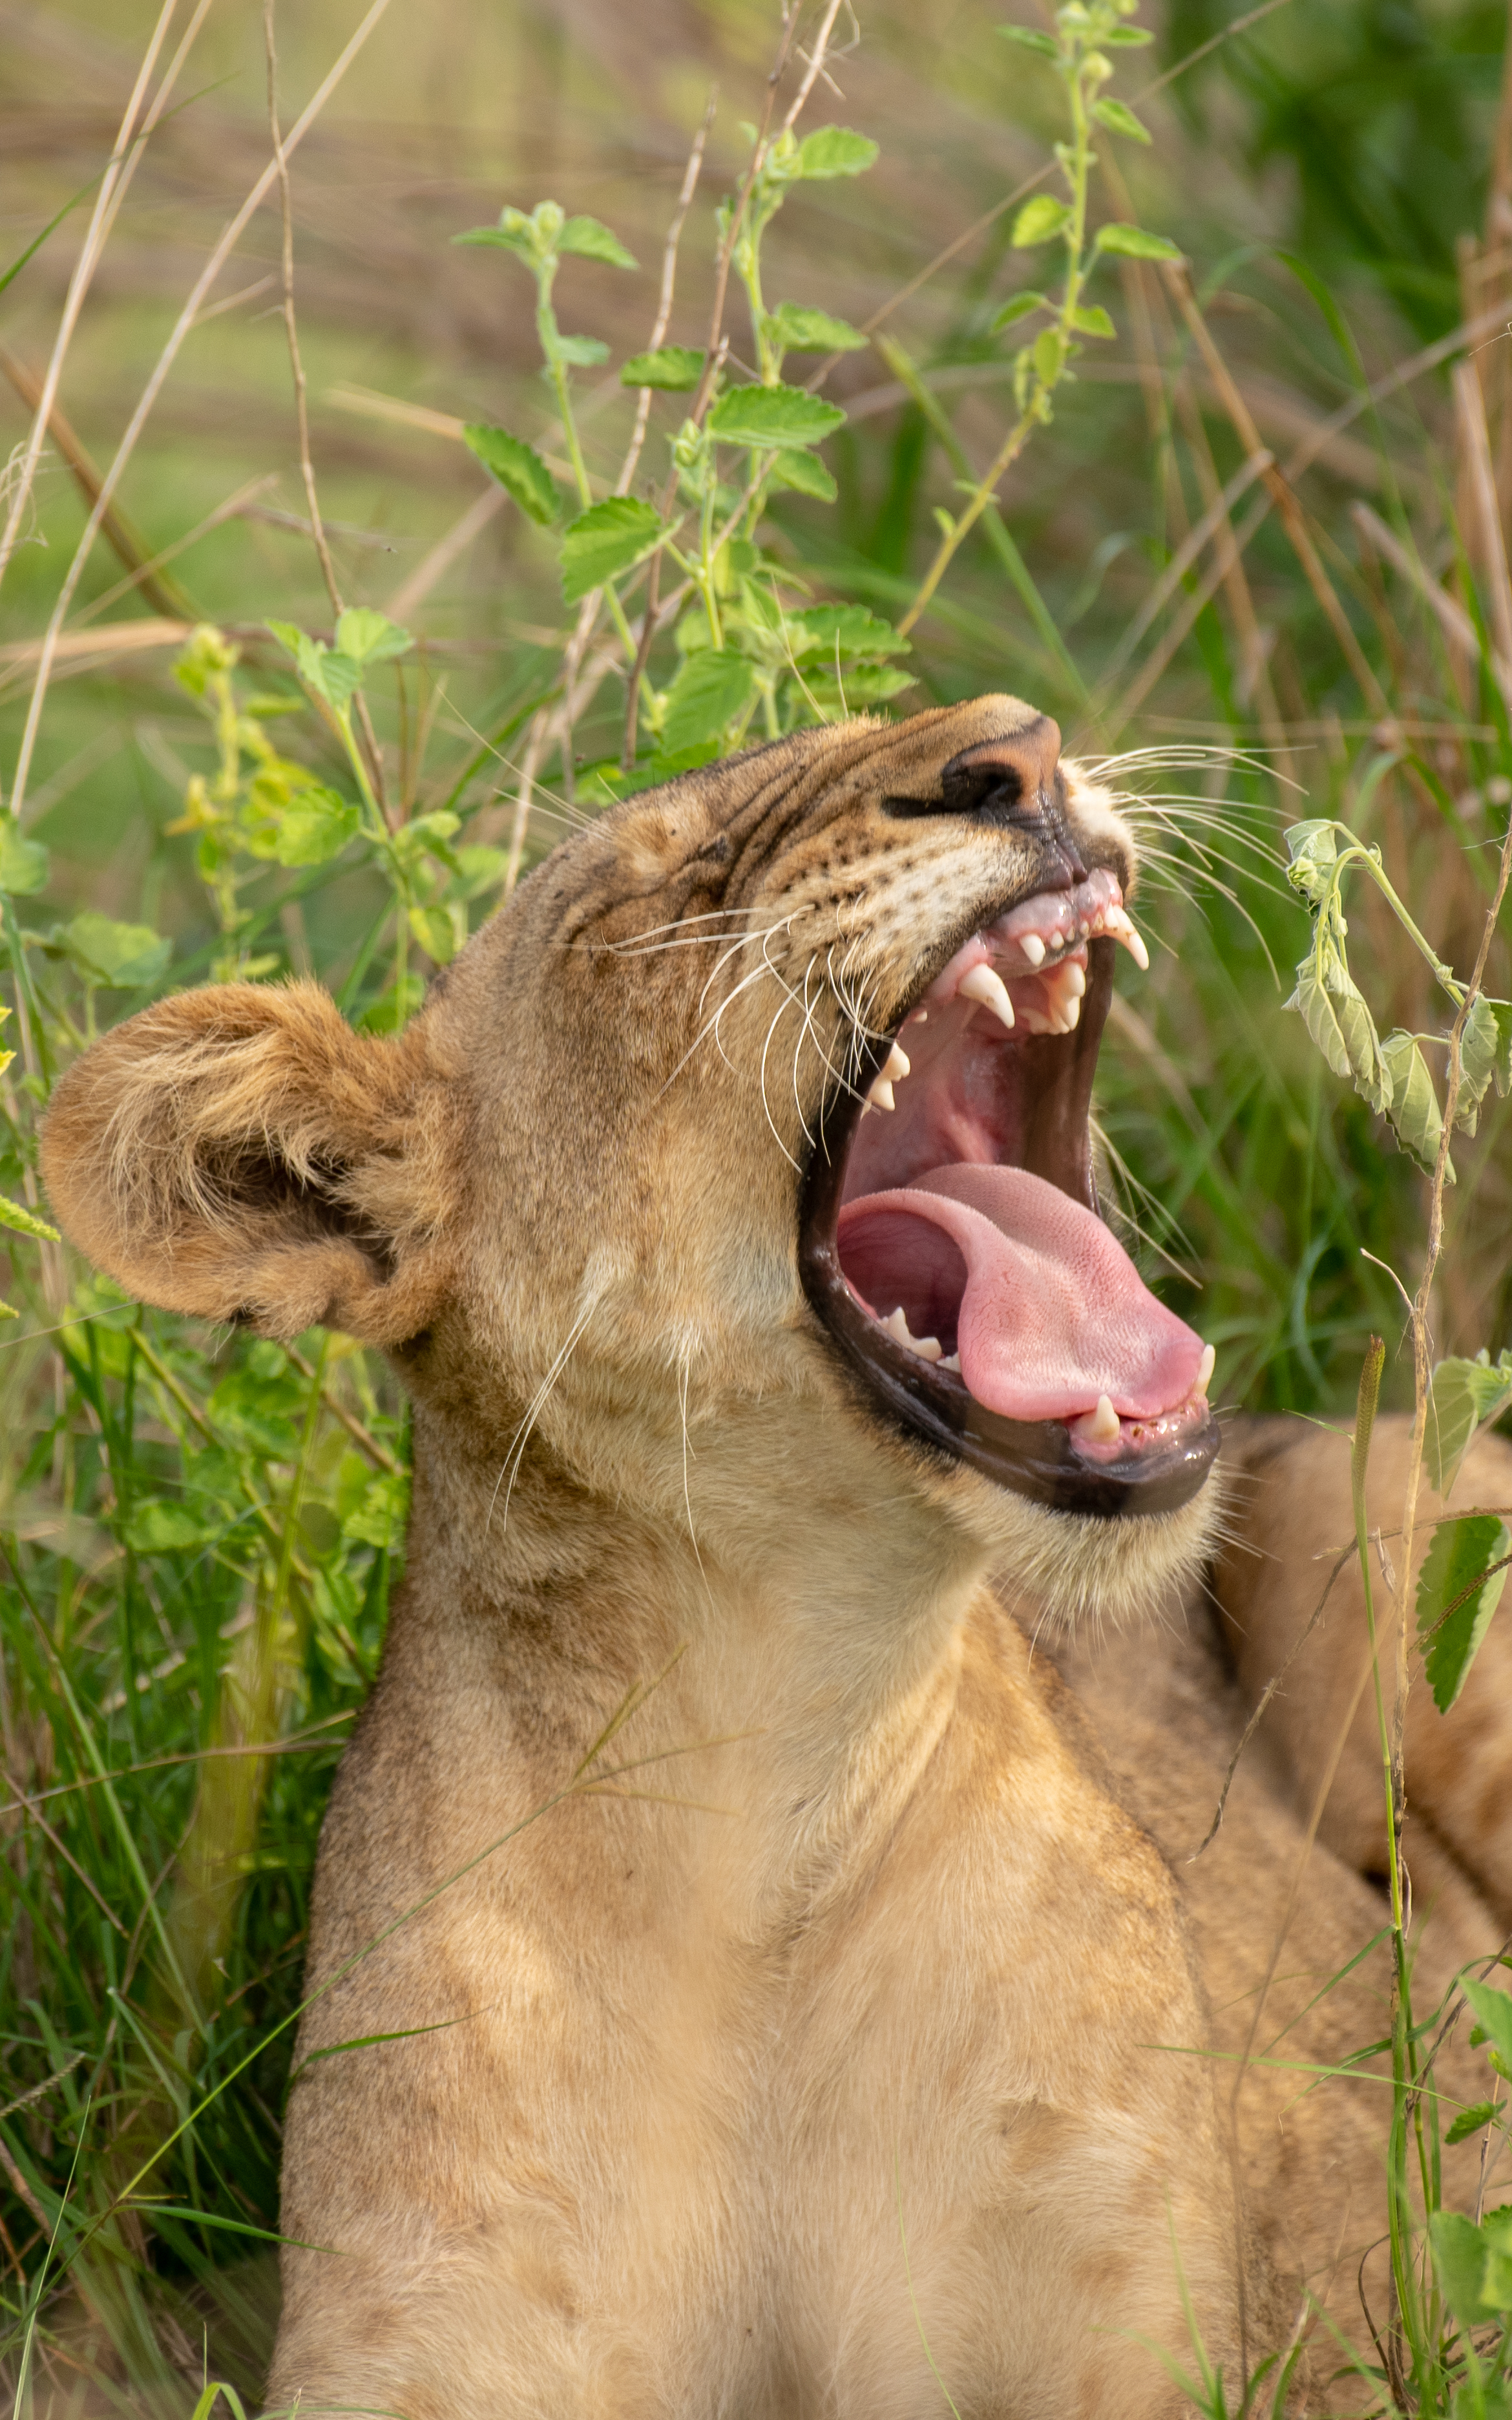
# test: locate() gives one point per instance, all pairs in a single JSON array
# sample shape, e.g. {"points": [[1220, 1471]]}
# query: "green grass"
{"points": [[200, 1534]]}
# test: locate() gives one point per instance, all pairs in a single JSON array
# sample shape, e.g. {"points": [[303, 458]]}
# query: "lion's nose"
{"points": [[1006, 781]]}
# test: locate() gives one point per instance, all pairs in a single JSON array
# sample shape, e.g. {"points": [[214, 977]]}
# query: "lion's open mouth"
{"points": [[951, 1241]]}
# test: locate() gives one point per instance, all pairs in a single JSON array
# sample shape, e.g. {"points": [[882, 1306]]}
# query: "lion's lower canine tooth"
{"points": [[1033, 949], [985, 986], [898, 1067], [880, 1093], [927, 1347], [951, 1361], [1204, 1368], [1099, 1426]]}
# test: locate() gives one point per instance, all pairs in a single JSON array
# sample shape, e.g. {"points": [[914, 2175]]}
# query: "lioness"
{"points": [[799, 2008]]}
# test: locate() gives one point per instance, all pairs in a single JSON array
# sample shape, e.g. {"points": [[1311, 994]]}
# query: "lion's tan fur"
{"points": [[850, 1945]]}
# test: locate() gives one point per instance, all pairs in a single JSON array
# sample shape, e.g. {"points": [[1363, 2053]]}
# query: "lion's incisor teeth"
{"points": [[987, 988], [1033, 949]]}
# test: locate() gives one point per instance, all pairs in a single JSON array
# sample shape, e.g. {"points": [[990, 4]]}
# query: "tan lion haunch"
{"points": [[801, 2005]]}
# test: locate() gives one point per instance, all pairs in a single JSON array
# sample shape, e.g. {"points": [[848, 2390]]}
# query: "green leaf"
{"points": [[27, 1222], [369, 637], [1044, 46], [518, 468], [1414, 1110], [435, 929], [673, 369], [162, 1528], [1460, 2258], [315, 827], [772, 416], [606, 539], [24, 864], [392, 1008], [1492, 2013], [1018, 306], [1049, 355], [1125, 38], [1485, 1054], [126, 955], [592, 241], [333, 675], [1135, 243], [1119, 120], [806, 473], [1312, 852], [1462, 1395], [712, 689], [1038, 220], [854, 686], [796, 329], [1456, 1601], [1334, 1010], [1092, 320], [579, 352], [834, 151], [820, 631], [1471, 2121]]}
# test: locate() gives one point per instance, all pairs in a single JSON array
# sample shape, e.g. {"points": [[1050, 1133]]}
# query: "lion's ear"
{"points": [[241, 1153]]}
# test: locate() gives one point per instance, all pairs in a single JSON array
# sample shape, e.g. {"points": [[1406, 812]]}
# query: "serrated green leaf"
{"points": [[506, 239], [315, 827], [1471, 2121], [1333, 1009], [27, 1222], [592, 241], [795, 328], [126, 955], [834, 151], [369, 637], [772, 416], [1312, 851], [854, 686], [1018, 306], [1044, 46], [1462, 1396], [673, 369], [1414, 1110], [711, 691], [804, 473], [1455, 1601], [331, 674], [1038, 220], [607, 539], [1133, 242], [1092, 320], [24, 861], [1120, 119], [819, 631], [518, 468], [1485, 1054]]}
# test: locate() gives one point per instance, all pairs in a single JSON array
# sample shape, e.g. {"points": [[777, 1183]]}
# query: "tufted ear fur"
{"points": [[241, 1153]]}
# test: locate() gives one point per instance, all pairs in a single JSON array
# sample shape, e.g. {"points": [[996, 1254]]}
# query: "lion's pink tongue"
{"points": [[1053, 1313]]}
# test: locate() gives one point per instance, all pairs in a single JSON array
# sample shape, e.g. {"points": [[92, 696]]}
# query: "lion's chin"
{"points": [[1080, 1571]]}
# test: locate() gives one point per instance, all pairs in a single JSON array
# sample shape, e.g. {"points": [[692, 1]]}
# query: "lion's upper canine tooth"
{"points": [[1121, 926], [927, 1347], [1099, 1426], [879, 1094], [1033, 949], [985, 986], [1071, 979], [1204, 1368]]}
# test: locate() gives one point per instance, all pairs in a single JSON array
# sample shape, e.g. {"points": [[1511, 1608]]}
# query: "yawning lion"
{"points": [[785, 1984]]}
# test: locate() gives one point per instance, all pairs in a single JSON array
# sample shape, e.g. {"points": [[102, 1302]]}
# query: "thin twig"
{"points": [[229, 238], [165, 596], [1266, 1695]]}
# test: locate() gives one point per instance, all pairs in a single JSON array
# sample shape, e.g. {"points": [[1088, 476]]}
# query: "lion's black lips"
{"points": [[1037, 1459]]}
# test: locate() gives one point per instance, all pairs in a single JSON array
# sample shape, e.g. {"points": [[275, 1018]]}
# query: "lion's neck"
{"points": [[800, 1666]]}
